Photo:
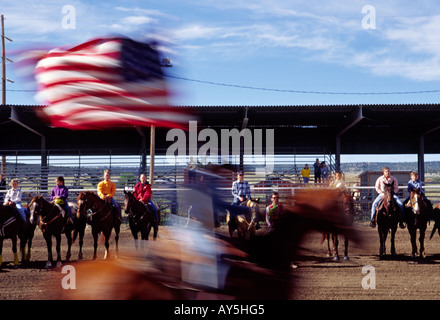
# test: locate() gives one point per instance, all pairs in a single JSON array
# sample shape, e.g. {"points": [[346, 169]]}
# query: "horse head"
{"points": [[36, 208], [86, 200], [128, 200]]}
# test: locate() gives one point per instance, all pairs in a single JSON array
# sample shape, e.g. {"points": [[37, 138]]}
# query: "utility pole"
{"points": [[4, 58], [4, 79], [3, 62]]}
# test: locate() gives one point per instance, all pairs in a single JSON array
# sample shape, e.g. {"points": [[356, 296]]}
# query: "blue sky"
{"points": [[297, 50]]}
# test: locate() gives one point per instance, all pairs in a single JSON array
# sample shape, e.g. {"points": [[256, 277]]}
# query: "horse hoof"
{"points": [[59, 264], [346, 258], [48, 265], [336, 258]]}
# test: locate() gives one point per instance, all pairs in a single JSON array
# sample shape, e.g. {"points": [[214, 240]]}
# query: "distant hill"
{"points": [[431, 167]]}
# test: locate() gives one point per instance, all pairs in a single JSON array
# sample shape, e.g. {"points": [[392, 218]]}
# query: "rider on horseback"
{"points": [[142, 192], [415, 184], [381, 183], [106, 190], [13, 198], [240, 189], [59, 196]]}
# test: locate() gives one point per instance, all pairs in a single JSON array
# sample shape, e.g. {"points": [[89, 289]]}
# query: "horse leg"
{"points": [[106, 244], [393, 238], [58, 248], [382, 239], [136, 238], [326, 237], [69, 245], [346, 248], [30, 237], [95, 244], [49, 251], [81, 242], [117, 230], [412, 233], [23, 248], [155, 230], [335, 246], [1, 251], [14, 250], [422, 242]]}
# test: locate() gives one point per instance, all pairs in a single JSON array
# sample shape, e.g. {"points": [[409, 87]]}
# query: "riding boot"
{"points": [[373, 221]]}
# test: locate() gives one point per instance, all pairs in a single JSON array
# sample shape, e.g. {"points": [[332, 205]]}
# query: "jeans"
{"points": [[153, 206], [21, 211], [68, 209], [376, 202]]}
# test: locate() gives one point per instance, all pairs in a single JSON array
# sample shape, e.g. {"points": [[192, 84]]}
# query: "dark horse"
{"points": [[417, 214], [52, 220], [140, 218], [101, 216], [245, 224], [387, 214], [436, 217], [9, 228], [346, 200]]}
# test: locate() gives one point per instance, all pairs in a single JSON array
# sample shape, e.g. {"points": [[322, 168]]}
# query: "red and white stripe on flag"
{"points": [[106, 82]]}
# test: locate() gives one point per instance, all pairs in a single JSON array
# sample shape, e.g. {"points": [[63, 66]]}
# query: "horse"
{"points": [[202, 264], [9, 228], [140, 217], [52, 220], [417, 215], [387, 214], [436, 217], [347, 202], [245, 224], [100, 216]]}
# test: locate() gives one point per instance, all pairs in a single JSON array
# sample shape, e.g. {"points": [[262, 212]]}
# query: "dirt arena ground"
{"points": [[315, 276]]}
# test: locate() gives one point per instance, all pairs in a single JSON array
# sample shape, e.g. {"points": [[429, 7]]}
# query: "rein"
{"points": [[134, 216], [99, 210], [5, 224], [44, 224]]}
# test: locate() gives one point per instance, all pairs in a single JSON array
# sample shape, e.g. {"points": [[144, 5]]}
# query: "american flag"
{"points": [[103, 83]]}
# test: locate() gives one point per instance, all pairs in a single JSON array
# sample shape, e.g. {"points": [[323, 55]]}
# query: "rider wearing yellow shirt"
{"points": [[107, 190]]}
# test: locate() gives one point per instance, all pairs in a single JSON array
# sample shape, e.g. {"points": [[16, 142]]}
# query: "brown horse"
{"points": [[245, 224], [347, 203], [417, 215], [140, 217], [52, 220], [100, 215], [387, 214]]}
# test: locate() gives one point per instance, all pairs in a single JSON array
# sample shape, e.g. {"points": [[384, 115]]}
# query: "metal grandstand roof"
{"points": [[376, 128]]}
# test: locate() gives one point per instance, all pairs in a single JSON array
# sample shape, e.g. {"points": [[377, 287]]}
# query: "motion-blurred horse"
{"points": [[52, 220], [140, 217], [347, 203], [199, 264], [101, 216]]}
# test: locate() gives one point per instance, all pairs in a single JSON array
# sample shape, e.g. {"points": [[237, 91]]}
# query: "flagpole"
{"points": [[152, 153]]}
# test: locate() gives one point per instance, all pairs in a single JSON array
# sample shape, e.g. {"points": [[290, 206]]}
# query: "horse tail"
{"points": [[75, 235]]}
